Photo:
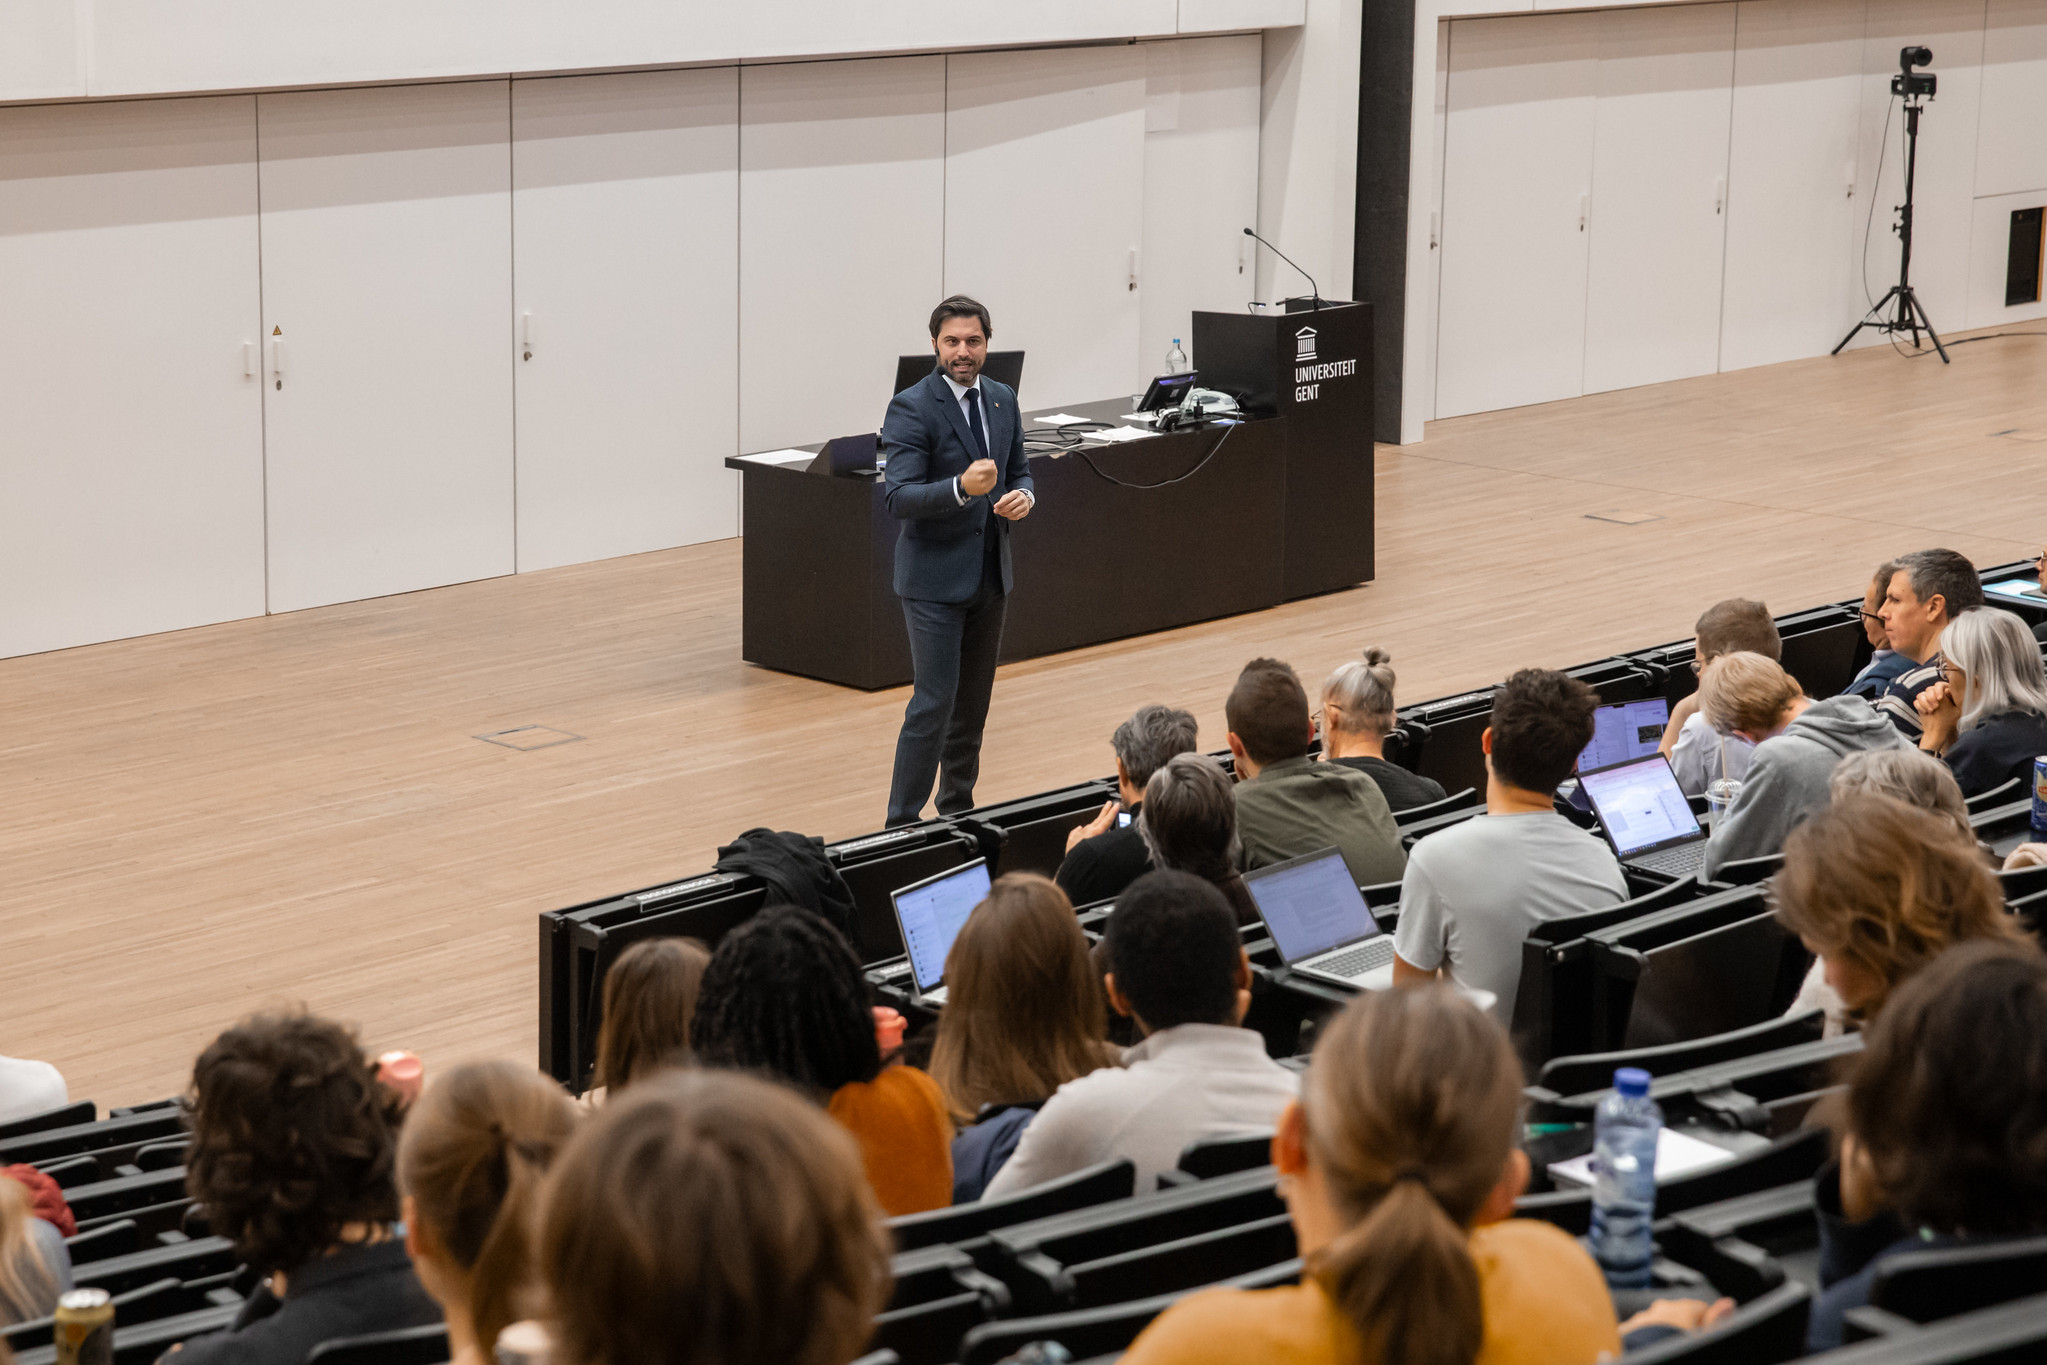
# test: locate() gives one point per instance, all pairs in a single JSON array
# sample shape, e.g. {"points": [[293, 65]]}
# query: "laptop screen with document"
{"points": [[1640, 805], [1632, 729], [931, 914], [1310, 904]]}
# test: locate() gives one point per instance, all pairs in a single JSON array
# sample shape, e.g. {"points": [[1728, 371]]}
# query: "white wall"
{"points": [[1308, 149]]}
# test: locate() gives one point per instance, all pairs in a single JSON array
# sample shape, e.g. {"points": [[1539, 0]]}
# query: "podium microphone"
{"points": [[1313, 290]]}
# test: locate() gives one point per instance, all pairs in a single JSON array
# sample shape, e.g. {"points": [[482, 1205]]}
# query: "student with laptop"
{"points": [[1178, 968], [1473, 891], [1320, 923], [1798, 741], [1697, 754]]}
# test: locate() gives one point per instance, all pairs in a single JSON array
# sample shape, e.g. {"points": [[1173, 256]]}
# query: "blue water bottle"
{"points": [[2040, 799], [1625, 1128]]}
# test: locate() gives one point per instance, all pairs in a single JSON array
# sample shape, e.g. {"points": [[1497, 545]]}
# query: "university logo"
{"points": [[1304, 344]]}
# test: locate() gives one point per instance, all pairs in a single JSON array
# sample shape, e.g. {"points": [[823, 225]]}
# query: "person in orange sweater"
{"points": [[1400, 1171], [784, 997]]}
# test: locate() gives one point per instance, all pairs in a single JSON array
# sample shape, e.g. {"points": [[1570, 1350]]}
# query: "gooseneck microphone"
{"points": [[1313, 290]]}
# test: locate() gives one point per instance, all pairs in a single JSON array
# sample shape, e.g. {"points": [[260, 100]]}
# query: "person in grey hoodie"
{"points": [[1798, 741]]}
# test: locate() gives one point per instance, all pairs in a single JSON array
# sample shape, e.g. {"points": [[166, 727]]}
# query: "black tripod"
{"points": [[1900, 309]]}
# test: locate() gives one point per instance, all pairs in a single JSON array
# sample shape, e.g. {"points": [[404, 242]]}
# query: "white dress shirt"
{"points": [[959, 394]]}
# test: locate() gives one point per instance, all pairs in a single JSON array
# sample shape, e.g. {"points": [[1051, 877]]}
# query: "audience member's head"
{"points": [[784, 996], [1175, 954], [1023, 1010], [28, 1289], [1541, 722], [1878, 889], [707, 1218], [475, 1149], [1745, 694], [1358, 697], [1189, 820], [294, 1144], [1929, 589], [1404, 1139], [1949, 1096], [1267, 713], [1732, 626], [1143, 744], [1872, 605], [1912, 776], [1993, 666], [649, 995]]}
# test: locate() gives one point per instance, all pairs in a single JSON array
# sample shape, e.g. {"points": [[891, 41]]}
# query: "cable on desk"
{"points": [[1162, 483]]}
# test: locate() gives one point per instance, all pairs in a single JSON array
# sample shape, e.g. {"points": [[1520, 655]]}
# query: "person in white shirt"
{"points": [[1176, 966], [1698, 755], [29, 1088]]}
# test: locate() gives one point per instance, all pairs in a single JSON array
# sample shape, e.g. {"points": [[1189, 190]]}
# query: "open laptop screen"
{"points": [[931, 913], [1640, 805], [1632, 729], [1310, 904]]}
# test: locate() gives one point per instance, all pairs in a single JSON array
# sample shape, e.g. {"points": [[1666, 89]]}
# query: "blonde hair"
{"points": [[1410, 1105], [26, 1285], [1912, 776], [1023, 1012], [472, 1156], [1747, 692], [1363, 693]]}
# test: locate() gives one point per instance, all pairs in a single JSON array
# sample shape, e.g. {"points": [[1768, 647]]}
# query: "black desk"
{"points": [[1282, 510]]}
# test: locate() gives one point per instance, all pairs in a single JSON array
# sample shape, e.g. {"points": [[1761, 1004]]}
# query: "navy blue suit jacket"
{"points": [[927, 444]]}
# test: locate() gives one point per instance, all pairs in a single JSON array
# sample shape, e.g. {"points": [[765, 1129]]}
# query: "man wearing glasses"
{"points": [[1887, 663]]}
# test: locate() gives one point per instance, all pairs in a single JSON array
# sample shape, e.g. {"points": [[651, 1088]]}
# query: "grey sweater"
{"points": [[1787, 777]]}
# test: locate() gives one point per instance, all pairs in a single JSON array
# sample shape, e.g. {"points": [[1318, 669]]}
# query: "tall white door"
{"points": [[1044, 210], [1517, 197], [387, 278], [132, 459], [1793, 207], [841, 240], [1659, 194], [1200, 188], [625, 214]]}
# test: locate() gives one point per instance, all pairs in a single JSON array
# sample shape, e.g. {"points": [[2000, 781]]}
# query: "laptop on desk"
{"points": [[1320, 923], [930, 914], [1644, 814]]}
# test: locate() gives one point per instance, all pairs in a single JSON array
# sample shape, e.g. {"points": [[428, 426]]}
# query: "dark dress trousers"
{"points": [[953, 575]]}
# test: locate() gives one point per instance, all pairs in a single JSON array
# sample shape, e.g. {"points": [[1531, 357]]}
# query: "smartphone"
{"points": [[1122, 819]]}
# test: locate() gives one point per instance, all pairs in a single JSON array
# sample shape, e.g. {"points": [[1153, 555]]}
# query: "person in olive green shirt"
{"points": [[1288, 804]]}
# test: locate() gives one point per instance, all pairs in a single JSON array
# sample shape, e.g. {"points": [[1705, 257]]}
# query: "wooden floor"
{"points": [[295, 809]]}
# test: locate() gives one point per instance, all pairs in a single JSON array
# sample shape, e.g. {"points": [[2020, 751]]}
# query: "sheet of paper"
{"points": [[1676, 1154], [1057, 419], [1116, 434], [2025, 589], [781, 457]]}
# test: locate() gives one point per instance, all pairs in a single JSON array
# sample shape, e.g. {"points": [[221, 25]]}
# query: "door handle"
{"points": [[249, 359]]}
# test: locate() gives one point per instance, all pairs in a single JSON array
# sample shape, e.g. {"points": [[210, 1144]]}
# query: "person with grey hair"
{"points": [[1357, 715], [1987, 713], [1929, 589], [1107, 854], [1885, 663], [1189, 824]]}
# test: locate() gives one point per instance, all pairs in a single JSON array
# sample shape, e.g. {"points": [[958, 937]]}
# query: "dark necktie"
{"points": [[974, 420]]}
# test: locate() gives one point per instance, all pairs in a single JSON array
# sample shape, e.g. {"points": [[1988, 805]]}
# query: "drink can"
{"points": [[2040, 797], [84, 1327]]}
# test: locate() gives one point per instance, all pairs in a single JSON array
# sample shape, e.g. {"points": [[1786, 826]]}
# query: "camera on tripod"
{"points": [[1914, 84]]}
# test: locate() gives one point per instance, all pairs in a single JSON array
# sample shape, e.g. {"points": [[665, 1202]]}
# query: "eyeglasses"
{"points": [[1872, 616]]}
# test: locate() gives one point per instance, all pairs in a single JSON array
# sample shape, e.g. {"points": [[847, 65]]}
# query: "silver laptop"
{"points": [[1320, 923], [1644, 814], [930, 914]]}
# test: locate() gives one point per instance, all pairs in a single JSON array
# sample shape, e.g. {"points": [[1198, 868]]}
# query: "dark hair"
{"points": [[960, 306], [1943, 574], [475, 1148], [1150, 737], [784, 995], [293, 1138], [1268, 711], [1189, 820], [1949, 1096], [1542, 721], [1738, 624], [649, 995], [711, 1219], [1173, 940], [1410, 1104]]}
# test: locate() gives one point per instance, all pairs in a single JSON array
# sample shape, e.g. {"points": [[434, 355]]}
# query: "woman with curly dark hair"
{"points": [[292, 1158], [784, 997]]}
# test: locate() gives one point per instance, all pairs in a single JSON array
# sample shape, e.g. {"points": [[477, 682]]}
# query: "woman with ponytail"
{"points": [[476, 1146], [1400, 1172]]}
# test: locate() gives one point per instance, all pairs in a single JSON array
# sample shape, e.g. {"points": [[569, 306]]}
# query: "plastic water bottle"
{"points": [[1625, 1129], [2040, 799], [1176, 359]]}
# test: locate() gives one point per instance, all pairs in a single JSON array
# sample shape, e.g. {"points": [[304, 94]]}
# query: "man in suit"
{"points": [[957, 476]]}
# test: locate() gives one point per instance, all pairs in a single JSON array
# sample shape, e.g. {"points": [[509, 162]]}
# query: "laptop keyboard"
{"points": [[1678, 860], [1368, 956]]}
